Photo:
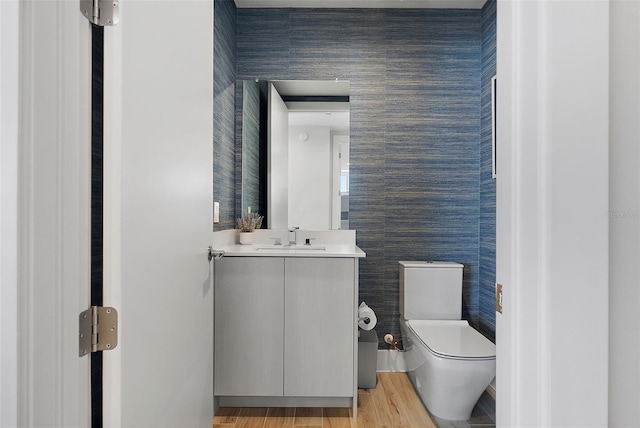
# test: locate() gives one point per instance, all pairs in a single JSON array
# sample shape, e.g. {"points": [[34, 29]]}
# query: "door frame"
{"points": [[51, 200], [552, 195], [9, 81], [510, 367]]}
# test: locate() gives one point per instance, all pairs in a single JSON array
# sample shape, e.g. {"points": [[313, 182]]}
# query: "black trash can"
{"points": [[367, 358]]}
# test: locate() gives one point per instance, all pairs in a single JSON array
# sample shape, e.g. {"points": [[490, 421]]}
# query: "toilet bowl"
{"points": [[449, 362], [450, 365]]}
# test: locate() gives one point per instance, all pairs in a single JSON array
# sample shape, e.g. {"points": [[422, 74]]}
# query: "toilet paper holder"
{"points": [[389, 339], [366, 320]]}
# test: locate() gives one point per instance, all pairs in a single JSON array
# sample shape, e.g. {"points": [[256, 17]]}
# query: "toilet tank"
{"points": [[430, 290]]}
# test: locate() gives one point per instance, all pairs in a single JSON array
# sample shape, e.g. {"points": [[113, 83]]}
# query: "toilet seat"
{"points": [[453, 339]]}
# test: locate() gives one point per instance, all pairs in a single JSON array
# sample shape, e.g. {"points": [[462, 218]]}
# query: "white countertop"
{"points": [[324, 243], [262, 250]]}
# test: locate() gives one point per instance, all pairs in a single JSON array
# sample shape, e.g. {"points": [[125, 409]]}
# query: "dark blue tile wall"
{"points": [[416, 155], [431, 146], [487, 183], [224, 80]]}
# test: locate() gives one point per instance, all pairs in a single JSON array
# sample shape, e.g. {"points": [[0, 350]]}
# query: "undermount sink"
{"points": [[291, 248]]}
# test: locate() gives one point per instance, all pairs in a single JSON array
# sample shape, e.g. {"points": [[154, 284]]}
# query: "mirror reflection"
{"points": [[295, 153]]}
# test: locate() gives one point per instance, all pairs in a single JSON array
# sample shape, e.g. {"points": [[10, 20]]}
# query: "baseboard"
{"points": [[242, 401], [390, 360]]}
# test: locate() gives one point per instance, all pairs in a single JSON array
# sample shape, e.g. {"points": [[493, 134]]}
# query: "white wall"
{"points": [[310, 177], [552, 196], [624, 216]]}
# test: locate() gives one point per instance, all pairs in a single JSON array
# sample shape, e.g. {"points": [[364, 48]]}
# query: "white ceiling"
{"points": [[369, 4]]}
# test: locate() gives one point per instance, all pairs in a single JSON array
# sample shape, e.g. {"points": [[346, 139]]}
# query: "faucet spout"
{"points": [[295, 235]]}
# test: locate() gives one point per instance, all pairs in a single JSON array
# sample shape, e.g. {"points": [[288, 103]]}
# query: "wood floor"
{"points": [[392, 403]]}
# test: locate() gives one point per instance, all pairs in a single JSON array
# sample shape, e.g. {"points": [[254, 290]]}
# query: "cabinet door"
{"points": [[319, 327], [249, 318]]}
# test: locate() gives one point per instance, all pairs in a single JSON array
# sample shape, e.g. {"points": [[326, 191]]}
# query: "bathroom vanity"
{"points": [[286, 324]]}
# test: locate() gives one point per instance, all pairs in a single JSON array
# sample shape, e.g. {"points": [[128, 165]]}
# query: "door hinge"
{"points": [[98, 329], [499, 298], [101, 12]]}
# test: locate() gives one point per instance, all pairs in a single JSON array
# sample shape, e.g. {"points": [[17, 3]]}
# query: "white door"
{"points": [[158, 220]]}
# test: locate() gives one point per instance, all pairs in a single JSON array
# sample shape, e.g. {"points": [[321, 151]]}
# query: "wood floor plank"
{"points": [[386, 405], [251, 417], [280, 417], [226, 415], [367, 415], [308, 417], [393, 385], [337, 418], [307, 426], [412, 410]]}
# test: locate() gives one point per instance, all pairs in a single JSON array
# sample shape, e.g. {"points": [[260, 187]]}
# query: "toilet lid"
{"points": [[453, 339], [430, 264]]}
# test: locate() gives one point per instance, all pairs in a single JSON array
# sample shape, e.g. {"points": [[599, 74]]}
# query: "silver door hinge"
{"points": [[101, 12], [98, 329], [499, 298]]}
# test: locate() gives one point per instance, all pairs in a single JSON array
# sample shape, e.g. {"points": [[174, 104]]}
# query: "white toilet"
{"points": [[449, 363]]}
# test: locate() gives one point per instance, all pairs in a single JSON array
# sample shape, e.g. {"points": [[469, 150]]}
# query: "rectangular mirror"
{"points": [[295, 153], [252, 129]]}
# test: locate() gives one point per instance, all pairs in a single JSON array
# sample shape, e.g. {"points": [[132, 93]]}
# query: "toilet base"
{"points": [[449, 388]]}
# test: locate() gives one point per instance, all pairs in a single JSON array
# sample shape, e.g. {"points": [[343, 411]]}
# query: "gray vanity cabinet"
{"points": [[285, 327], [319, 327], [249, 317]]}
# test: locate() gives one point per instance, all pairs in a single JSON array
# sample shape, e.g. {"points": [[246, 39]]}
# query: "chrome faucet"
{"points": [[295, 235]]}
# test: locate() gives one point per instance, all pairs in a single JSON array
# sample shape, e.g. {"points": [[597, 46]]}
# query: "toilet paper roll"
{"points": [[366, 317]]}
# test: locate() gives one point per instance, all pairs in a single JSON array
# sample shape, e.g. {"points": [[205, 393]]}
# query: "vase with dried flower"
{"points": [[247, 224]]}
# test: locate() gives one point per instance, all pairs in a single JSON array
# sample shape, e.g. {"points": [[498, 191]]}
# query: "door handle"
{"points": [[214, 254]]}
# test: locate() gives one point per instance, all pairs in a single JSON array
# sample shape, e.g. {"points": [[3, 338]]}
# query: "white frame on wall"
{"points": [[493, 125]]}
